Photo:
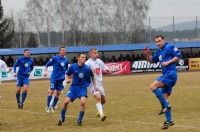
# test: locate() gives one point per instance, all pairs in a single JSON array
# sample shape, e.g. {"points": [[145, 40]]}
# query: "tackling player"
{"points": [[3, 67]]}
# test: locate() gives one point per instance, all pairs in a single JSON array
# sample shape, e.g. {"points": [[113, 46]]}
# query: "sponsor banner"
{"points": [[194, 63], [182, 65], [145, 66], [119, 67], [37, 73]]}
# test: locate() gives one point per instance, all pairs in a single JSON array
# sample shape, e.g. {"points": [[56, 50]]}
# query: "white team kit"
{"points": [[4, 67], [98, 65]]}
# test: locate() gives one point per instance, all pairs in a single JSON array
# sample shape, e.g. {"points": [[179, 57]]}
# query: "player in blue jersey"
{"points": [[25, 64], [168, 56], [60, 65], [81, 79]]}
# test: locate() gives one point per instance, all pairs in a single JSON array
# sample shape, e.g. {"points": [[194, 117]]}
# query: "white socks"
{"points": [[99, 109]]}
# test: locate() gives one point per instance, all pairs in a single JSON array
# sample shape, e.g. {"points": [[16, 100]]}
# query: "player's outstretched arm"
{"points": [[147, 54]]}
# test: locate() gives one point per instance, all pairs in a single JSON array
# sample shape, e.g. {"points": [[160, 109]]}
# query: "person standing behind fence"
{"points": [[60, 65], [25, 64], [168, 55], [97, 66]]}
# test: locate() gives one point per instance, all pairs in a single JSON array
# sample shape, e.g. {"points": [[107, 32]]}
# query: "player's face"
{"points": [[62, 52], [27, 53], [160, 42], [82, 58], [94, 54]]}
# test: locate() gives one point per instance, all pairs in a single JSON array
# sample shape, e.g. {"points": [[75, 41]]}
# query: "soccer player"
{"points": [[81, 79], [97, 66], [25, 64], [3, 67], [60, 65], [168, 55]]}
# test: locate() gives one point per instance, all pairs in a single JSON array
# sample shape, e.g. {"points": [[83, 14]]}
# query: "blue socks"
{"points": [[81, 114], [160, 96], [23, 97], [48, 100], [168, 115], [55, 101], [62, 112], [18, 98]]}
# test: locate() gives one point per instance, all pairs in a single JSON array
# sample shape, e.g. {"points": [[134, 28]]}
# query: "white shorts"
{"points": [[99, 85]]}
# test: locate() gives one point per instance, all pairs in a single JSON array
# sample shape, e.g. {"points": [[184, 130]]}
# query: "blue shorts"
{"points": [[76, 92], [56, 84], [22, 80], [169, 79]]}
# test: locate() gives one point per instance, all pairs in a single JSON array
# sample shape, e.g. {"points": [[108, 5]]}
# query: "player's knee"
{"points": [[103, 101], [152, 87]]}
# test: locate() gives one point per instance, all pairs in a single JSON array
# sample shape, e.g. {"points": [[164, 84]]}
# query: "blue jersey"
{"points": [[81, 76], [60, 65], [166, 53], [25, 65]]}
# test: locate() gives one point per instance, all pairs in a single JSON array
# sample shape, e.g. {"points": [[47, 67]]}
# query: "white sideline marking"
{"points": [[114, 120]]}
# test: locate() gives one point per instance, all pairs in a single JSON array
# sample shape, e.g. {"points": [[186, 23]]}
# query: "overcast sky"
{"points": [[158, 8]]}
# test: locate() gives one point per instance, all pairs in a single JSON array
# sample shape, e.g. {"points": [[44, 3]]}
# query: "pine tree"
{"points": [[32, 42], [5, 33]]}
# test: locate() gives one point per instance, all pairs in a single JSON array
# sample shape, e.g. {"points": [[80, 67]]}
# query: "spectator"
{"points": [[74, 60], [10, 61], [121, 58], [113, 59], [41, 62]]}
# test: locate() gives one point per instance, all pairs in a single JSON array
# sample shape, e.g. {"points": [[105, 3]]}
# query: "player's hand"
{"points": [[15, 74], [10, 69], [96, 88], [28, 73], [64, 83], [146, 50], [68, 81], [165, 63], [109, 71], [45, 73]]}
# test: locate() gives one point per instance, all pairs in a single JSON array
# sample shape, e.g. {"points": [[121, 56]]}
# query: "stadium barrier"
{"points": [[124, 67]]}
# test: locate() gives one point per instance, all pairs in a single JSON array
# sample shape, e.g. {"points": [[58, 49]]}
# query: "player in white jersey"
{"points": [[97, 66], [3, 67]]}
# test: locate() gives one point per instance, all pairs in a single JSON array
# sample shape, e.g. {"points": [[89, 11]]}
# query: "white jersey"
{"points": [[3, 67], [98, 65]]}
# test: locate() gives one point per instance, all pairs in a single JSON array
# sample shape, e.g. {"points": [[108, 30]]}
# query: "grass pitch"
{"points": [[130, 107]]}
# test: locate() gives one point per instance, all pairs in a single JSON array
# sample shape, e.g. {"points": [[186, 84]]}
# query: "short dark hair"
{"points": [[61, 48], [26, 50], [81, 53], [159, 36]]}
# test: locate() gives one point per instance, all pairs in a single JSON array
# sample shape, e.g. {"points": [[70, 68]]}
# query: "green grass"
{"points": [[130, 107]]}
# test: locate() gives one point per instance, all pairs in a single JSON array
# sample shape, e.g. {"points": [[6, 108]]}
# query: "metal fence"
{"points": [[173, 28]]}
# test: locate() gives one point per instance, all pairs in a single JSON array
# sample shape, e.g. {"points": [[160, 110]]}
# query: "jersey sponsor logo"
{"points": [[26, 64], [38, 72], [62, 64], [80, 75], [4, 75], [175, 49], [145, 64], [160, 57], [97, 71]]}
